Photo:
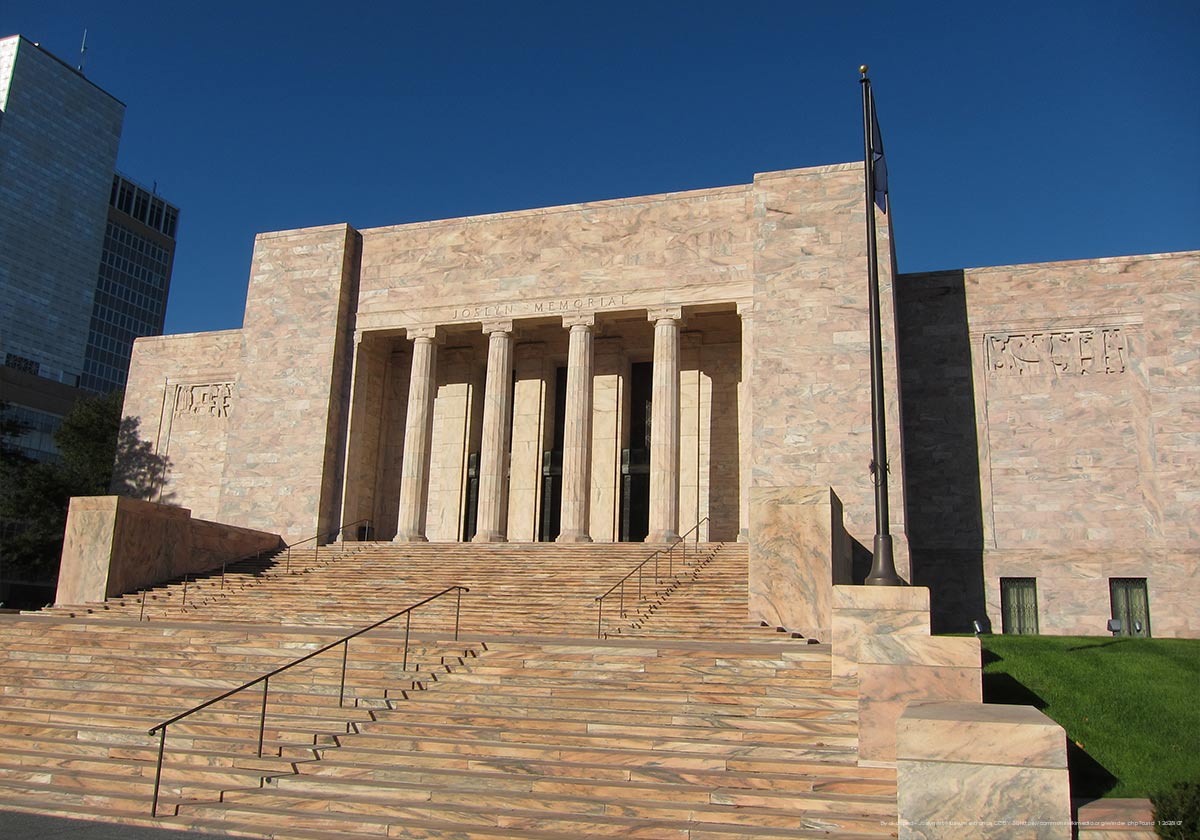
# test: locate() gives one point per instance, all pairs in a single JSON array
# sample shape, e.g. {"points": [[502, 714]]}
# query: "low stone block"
{"points": [[896, 671], [862, 611], [970, 770]]}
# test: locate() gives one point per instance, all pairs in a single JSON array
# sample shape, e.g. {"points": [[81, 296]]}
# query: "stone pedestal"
{"points": [[860, 612], [987, 771], [894, 671], [798, 551]]}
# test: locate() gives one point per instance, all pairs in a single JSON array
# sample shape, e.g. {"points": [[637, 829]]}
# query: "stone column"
{"points": [[577, 432], [609, 381], [493, 444], [664, 426], [528, 432], [418, 430], [745, 311]]}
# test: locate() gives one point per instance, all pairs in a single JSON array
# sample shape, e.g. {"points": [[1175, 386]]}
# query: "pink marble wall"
{"points": [[283, 464], [974, 770], [114, 545], [798, 551], [810, 372]]}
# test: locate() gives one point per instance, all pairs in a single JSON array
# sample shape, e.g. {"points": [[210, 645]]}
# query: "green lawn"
{"points": [[1131, 707]]}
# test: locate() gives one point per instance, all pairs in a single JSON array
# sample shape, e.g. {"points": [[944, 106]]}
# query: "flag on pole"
{"points": [[878, 163]]}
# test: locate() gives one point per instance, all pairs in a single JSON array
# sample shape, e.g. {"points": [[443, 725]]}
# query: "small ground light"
{"points": [[978, 626], [1114, 626]]}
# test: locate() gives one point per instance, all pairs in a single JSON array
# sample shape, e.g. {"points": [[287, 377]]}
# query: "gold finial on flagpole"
{"points": [[862, 68]]}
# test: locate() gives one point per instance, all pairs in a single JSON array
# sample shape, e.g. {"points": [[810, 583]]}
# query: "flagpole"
{"points": [[883, 564]]}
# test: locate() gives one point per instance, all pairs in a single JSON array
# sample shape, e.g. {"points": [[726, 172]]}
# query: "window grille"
{"points": [[1130, 605], [1018, 605]]}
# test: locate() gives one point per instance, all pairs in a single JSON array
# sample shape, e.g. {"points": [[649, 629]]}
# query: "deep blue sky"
{"points": [[1015, 132]]}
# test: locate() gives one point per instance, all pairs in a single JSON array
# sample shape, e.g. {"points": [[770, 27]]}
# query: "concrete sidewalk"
{"points": [[15, 825]]}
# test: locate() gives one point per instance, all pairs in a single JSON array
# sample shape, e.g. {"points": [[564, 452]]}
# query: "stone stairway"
{"points": [[77, 699], [515, 588], [682, 722]]}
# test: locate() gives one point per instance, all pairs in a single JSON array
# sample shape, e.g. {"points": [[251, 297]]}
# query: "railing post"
{"points": [[342, 690], [262, 720], [222, 575], [642, 566], [162, 743], [142, 612], [457, 611], [288, 569], [183, 603], [600, 617], [407, 629], [622, 599]]}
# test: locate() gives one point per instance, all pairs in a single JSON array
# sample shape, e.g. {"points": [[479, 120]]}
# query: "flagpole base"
{"points": [[883, 564]]}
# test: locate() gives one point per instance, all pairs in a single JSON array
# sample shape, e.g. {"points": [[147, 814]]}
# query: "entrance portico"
{"points": [[589, 426]]}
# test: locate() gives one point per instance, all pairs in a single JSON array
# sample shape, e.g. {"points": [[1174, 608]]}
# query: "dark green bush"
{"points": [[1177, 812]]}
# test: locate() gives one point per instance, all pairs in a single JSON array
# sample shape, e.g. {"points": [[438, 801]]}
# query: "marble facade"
{"points": [[635, 368]]}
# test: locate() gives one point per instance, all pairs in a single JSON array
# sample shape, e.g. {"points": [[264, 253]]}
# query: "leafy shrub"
{"points": [[1177, 812]]}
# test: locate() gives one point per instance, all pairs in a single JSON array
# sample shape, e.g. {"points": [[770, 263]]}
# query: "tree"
{"points": [[35, 495]]}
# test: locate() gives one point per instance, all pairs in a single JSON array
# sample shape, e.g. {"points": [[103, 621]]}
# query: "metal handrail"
{"points": [[639, 571], [265, 679], [257, 556], [317, 545]]}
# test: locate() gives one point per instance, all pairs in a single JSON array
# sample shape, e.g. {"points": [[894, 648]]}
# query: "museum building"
{"points": [[689, 364]]}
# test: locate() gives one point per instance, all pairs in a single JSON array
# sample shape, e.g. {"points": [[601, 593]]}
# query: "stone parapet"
{"points": [[114, 545], [972, 770], [798, 550]]}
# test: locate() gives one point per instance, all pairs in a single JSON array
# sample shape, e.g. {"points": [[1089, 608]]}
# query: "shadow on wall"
{"points": [[941, 448], [139, 472]]}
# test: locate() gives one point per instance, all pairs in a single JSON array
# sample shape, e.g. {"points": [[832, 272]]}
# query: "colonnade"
{"points": [[577, 444]]}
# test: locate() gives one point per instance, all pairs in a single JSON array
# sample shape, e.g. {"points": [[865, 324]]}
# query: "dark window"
{"points": [[1130, 605], [141, 205], [125, 198], [1018, 605], [12, 360]]}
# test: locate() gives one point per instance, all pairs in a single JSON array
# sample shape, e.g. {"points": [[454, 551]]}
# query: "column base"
{"points": [[573, 537], [489, 537], [403, 538], [662, 537]]}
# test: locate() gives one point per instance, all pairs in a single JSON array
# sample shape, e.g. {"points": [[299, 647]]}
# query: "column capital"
{"points": [[431, 333], [664, 313], [745, 309], [580, 319], [502, 326]]}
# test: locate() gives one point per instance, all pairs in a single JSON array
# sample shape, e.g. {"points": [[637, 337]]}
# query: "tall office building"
{"points": [[85, 254], [132, 284]]}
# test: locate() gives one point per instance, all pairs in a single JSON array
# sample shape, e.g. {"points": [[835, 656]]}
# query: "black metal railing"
{"points": [[257, 556], [265, 679], [640, 570]]}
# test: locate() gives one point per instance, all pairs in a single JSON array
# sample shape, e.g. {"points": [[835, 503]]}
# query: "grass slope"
{"points": [[1131, 707]]}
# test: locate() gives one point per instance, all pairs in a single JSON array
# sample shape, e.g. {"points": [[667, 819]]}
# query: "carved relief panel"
{"points": [[1057, 352], [212, 400]]}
